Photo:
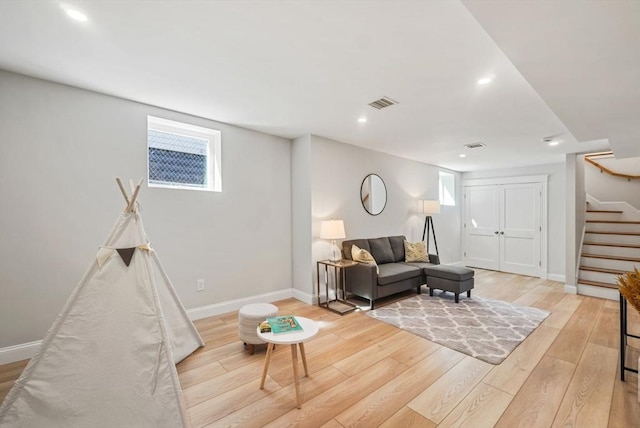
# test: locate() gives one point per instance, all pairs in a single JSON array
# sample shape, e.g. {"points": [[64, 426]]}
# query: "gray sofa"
{"points": [[395, 275]]}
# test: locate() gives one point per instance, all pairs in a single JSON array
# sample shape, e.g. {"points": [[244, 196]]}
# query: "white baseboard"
{"points": [[25, 351], [310, 299], [556, 277], [234, 305], [571, 289], [20, 352]]}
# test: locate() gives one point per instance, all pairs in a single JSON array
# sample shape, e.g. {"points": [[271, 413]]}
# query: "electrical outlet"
{"points": [[200, 285]]}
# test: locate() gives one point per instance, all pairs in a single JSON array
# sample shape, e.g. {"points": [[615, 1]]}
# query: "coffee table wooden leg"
{"points": [[296, 381], [266, 364], [304, 359]]}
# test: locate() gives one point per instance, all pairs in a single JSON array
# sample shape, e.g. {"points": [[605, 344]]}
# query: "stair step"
{"points": [[613, 233], [602, 238], [607, 263], [613, 250], [613, 221], [603, 270], [606, 244], [613, 226], [597, 284], [599, 256], [599, 273], [605, 211]]}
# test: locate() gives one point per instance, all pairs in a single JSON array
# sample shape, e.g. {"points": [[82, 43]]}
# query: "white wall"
{"points": [[580, 207], [302, 273], [337, 171], [555, 207], [609, 188], [60, 150], [575, 212]]}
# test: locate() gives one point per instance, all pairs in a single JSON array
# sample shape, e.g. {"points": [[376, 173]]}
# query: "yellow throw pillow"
{"points": [[363, 256], [415, 252]]}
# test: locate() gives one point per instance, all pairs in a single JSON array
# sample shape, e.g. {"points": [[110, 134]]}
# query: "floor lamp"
{"points": [[428, 208]]}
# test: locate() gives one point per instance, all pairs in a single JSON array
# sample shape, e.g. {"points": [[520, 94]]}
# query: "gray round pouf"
{"points": [[249, 317]]}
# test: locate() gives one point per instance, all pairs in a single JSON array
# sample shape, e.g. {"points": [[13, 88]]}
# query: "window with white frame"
{"points": [[447, 185], [183, 156]]}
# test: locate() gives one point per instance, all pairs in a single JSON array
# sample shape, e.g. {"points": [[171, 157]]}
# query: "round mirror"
{"points": [[373, 194]]}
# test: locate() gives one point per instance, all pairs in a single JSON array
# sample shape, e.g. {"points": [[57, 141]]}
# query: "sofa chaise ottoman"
{"points": [[455, 279]]}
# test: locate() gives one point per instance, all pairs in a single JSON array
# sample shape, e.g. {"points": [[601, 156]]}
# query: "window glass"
{"points": [[447, 185], [183, 156]]}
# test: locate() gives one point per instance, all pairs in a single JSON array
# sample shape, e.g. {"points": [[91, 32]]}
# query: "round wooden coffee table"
{"points": [[309, 330]]}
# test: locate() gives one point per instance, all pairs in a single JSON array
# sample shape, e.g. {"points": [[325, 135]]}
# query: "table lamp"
{"points": [[333, 229]]}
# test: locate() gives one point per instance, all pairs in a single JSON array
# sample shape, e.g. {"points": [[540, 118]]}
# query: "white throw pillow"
{"points": [[363, 256]]}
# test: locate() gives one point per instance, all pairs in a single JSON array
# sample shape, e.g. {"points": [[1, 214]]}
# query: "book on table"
{"points": [[285, 324]]}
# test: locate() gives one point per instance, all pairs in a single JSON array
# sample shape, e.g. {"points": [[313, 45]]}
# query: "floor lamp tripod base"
{"points": [[425, 233]]}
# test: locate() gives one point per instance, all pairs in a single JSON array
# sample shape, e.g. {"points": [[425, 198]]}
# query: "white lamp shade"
{"points": [[332, 229], [431, 207]]}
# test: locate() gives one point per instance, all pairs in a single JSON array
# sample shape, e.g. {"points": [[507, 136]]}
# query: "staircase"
{"points": [[610, 248]]}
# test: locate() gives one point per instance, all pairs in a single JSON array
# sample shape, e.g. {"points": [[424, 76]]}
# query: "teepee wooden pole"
{"points": [[122, 189], [132, 203]]}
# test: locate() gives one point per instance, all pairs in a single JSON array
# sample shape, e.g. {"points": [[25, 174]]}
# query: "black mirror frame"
{"points": [[385, 194]]}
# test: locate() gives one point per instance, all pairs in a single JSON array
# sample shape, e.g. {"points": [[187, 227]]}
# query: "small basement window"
{"points": [[183, 156], [447, 185]]}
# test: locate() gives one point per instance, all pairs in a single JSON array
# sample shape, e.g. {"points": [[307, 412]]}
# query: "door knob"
{"points": [[496, 232], [501, 233]]}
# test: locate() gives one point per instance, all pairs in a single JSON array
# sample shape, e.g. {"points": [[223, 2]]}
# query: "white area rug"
{"points": [[486, 329]]}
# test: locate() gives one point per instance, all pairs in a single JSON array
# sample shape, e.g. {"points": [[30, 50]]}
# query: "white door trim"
{"points": [[506, 180]]}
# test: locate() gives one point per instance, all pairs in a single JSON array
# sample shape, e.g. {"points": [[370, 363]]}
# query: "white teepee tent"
{"points": [[109, 358]]}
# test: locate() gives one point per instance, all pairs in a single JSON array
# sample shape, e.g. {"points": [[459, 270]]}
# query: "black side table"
{"points": [[339, 304], [623, 338]]}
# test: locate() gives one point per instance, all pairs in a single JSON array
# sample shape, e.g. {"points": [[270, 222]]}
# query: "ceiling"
{"points": [[569, 70]]}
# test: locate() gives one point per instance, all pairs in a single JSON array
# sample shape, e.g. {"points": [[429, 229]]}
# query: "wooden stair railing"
{"points": [[589, 158]]}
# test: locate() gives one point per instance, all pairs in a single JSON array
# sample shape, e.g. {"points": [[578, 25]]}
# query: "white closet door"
{"points": [[520, 225], [482, 222]]}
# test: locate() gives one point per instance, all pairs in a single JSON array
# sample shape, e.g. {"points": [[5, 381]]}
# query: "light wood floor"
{"points": [[364, 373]]}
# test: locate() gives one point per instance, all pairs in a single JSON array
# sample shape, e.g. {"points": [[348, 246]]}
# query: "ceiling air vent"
{"points": [[382, 103], [475, 145]]}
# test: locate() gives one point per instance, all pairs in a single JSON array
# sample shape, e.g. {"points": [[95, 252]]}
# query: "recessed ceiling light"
{"points": [[485, 80], [552, 140], [76, 14], [362, 120], [73, 13], [462, 155]]}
